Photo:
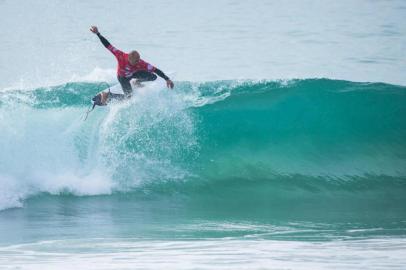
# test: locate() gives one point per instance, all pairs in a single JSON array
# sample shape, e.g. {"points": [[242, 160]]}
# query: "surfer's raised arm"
{"points": [[95, 30], [117, 53]]}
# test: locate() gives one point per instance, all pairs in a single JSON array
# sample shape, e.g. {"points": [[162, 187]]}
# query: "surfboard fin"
{"points": [[91, 108]]}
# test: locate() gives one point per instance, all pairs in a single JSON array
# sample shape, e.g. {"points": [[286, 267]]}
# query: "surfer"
{"points": [[131, 66]]}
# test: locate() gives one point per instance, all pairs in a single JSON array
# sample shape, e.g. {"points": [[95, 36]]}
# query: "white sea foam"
{"points": [[54, 151], [386, 253]]}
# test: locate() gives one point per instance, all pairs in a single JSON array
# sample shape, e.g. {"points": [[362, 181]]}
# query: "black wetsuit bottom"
{"points": [[141, 76]]}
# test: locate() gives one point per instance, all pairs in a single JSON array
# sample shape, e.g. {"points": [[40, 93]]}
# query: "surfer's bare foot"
{"points": [[104, 96]]}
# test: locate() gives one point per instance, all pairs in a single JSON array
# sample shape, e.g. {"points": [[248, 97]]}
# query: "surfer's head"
{"points": [[133, 57]]}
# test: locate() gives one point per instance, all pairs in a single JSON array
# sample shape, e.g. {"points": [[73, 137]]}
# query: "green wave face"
{"points": [[313, 127], [227, 147]]}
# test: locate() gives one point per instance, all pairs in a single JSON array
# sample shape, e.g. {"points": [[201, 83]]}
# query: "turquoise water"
{"points": [[282, 146]]}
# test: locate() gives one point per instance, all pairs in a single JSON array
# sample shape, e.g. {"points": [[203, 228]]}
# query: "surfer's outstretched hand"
{"points": [[169, 83], [94, 29]]}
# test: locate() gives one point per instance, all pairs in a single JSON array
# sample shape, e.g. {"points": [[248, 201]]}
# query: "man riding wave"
{"points": [[130, 66]]}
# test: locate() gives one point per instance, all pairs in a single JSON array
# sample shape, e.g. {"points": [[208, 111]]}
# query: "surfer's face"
{"points": [[133, 57]]}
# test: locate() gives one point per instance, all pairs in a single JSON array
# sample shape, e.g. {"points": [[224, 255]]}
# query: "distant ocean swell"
{"points": [[266, 142]]}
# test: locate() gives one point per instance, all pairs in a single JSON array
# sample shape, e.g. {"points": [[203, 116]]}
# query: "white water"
{"points": [[205, 254], [54, 151]]}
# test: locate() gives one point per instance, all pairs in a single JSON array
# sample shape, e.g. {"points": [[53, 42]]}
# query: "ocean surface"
{"points": [[282, 146]]}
